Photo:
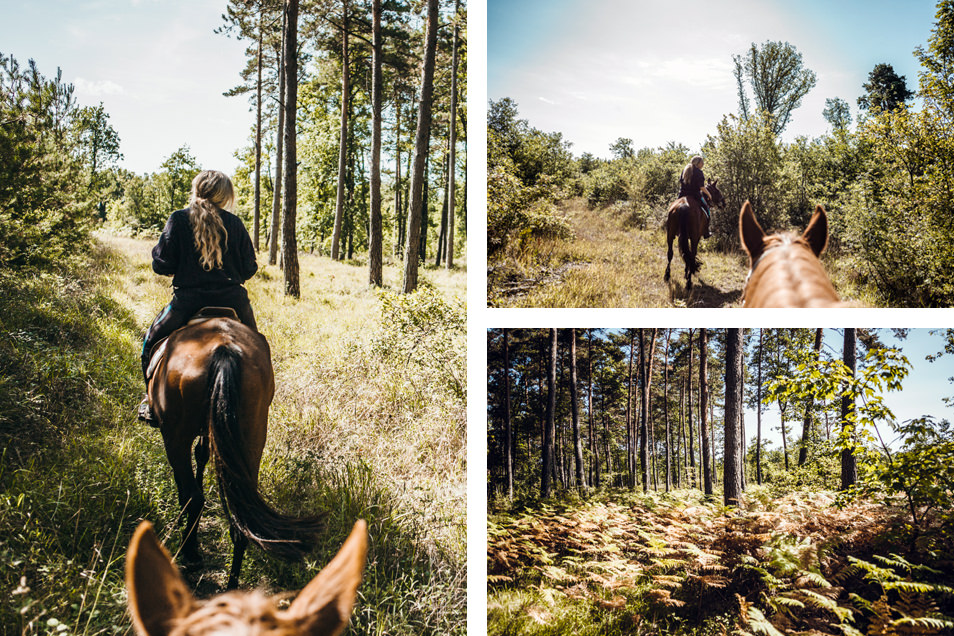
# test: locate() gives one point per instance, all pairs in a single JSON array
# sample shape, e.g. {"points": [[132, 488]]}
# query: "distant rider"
{"points": [[209, 254], [691, 184]]}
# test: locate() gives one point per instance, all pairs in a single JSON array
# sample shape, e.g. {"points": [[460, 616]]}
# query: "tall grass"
{"points": [[612, 262], [361, 427]]}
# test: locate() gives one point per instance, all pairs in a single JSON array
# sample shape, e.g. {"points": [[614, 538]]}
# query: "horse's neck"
{"points": [[787, 274]]}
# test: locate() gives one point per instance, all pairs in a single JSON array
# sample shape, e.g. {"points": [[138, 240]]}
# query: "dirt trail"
{"points": [[614, 261]]}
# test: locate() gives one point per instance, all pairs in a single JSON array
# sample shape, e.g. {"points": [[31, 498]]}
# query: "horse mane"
{"points": [[234, 613], [784, 269]]}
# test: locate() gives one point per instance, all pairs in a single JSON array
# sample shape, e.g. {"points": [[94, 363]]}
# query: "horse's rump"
{"points": [[216, 383]]}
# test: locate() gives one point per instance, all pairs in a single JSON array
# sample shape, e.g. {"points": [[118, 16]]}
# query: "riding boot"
{"points": [[145, 414]]}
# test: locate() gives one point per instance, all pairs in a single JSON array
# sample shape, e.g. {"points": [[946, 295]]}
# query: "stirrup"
{"points": [[144, 413]]}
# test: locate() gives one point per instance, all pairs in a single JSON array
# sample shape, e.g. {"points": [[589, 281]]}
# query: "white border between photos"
{"points": [[480, 318]]}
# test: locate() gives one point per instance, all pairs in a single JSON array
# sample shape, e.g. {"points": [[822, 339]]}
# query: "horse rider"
{"points": [[691, 184], [209, 254]]}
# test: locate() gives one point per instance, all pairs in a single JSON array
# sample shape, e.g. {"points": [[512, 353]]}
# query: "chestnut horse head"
{"points": [[162, 605], [716, 199], [215, 384], [784, 270], [687, 221]]}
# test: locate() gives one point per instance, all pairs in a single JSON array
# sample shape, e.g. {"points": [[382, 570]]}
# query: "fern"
{"points": [[917, 587], [759, 624], [821, 601], [924, 622]]}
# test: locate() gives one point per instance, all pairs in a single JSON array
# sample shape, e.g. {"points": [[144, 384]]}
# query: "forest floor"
{"points": [[368, 421], [626, 563], [616, 259]]}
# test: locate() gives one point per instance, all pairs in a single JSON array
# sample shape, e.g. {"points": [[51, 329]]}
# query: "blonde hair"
{"points": [[211, 190], [690, 168]]}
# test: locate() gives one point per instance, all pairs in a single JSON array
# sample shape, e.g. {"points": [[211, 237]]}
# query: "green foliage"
{"points": [[908, 597], [425, 331], [922, 470], [837, 113], [516, 212], [746, 157], [905, 219], [885, 90], [778, 80], [47, 165], [527, 171], [148, 200]]}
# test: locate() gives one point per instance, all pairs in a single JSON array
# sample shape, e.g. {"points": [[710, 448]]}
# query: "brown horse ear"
{"points": [[816, 234], [324, 606], [157, 593], [751, 233]]}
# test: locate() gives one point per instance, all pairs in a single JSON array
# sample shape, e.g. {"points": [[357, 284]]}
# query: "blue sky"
{"points": [[662, 71], [156, 65], [922, 391]]}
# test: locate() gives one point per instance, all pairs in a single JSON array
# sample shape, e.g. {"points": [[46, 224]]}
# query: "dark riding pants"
{"points": [[185, 303]]}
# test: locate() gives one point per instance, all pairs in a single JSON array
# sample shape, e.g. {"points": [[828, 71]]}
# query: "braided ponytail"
{"points": [[211, 190]]}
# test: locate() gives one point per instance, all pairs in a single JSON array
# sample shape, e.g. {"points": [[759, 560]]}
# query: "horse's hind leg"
{"points": [[670, 237], [239, 543], [201, 459], [191, 498]]}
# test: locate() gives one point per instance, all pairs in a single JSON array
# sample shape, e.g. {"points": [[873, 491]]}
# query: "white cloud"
{"points": [[97, 88]]}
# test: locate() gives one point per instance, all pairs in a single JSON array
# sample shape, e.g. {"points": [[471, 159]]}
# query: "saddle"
{"points": [[206, 313]]}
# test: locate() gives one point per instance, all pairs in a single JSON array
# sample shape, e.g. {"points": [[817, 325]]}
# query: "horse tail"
{"points": [[282, 535], [687, 256]]}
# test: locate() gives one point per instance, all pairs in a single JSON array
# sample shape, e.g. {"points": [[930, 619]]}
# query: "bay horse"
{"points": [[784, 270], [162, 605], [687, 221], [214, 382]]}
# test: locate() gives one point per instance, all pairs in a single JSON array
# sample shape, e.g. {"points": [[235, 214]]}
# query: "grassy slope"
{"points": [[610, 263], [362, 425], [623, 563]]}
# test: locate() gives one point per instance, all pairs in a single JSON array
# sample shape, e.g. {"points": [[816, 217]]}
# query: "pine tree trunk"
{"points": [[704, 411], [398, 209], [575, 412], [732, 467], [257, 213], [849, 466], [630, 453], [375, 231], [666, 412], [343, 137], [411, 259], [279, 160], [641, 437], [549, 429], [508, 433], [689, 408], [289, 240], [758, 415], [809, 407], [451, 181], [594, 446], [442, 232]]}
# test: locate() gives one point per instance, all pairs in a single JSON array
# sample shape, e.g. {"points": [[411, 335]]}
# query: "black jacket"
{"points": [[177, 255], [692, 189]]}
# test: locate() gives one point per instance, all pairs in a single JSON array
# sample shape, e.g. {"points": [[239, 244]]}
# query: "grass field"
{"points": [[368, 422], [615, 260]]}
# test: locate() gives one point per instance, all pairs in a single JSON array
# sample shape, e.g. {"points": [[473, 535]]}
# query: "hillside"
{"points": [[368, 421]]}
